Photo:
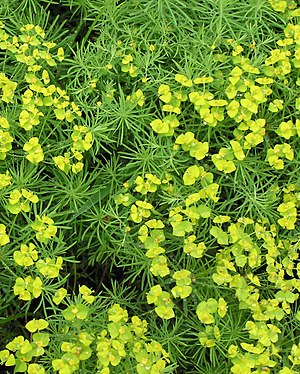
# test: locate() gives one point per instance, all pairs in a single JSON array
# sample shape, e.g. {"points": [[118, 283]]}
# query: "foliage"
{"points": [[149, 188]]}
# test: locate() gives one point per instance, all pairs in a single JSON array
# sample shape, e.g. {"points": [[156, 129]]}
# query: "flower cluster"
{"points": [[162, 301], [20, 201], [183, 281], [45, 228], [74, 352], [20, 351], [82, 141], [188, 143], [127, 339]]}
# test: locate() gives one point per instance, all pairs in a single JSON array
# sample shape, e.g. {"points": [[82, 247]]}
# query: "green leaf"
{"points": [[93, 200]]}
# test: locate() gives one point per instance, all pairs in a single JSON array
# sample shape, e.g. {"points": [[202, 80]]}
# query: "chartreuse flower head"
{"points": [[155, 224], [69, 363], [237, 150], [76, 311], [256, 136], [28, 288], [183, 281], [35, 369], [150, 184], [195, 212], [165, 126], [173, 106], [140, 210], [25, 350], [64, 109], [210, 337], [287, 129], [128, 67], [219, 234], [153, 241], [125, 199], [193, 249], [60, 54], [4, 238], [182, 79], [188, 143], [74, 352], [162, 300], [82, 139], [264, 333], [86, 294], [206, 310], [274, 156], [26, 256], [20, 201], [180, 225], [125, 338], [279, 5], [117, 314], [203, 80], [63, 162], [152, 358], [210, 109], [77, 167], [289, 215], [7, 88], [45, 228], [137, 97], [34, 325], [139, 326], [224, 160], [5, 143], [159, 264], [294, 357], [29, 116], [275, 105], [5, 179], [34, 151], [164, 93], [59, 295], [49, 267], [191, 175]]}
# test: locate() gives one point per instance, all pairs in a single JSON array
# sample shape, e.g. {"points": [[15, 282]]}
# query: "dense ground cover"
{"points": [[149, 161]]}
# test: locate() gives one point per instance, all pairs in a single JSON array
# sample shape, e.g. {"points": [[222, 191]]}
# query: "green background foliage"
{"points": [[149, 186]]}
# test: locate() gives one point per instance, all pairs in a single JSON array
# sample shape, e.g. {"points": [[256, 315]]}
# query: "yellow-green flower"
{"points": [[45, 228], [180, 78], [59, 295], [36, 324], [86, 294], [28, 288], [5, 143], [50, 267], [26, 256], [19, 201], [63, 162], [4, 238], [5, 179], [34, 151]]}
